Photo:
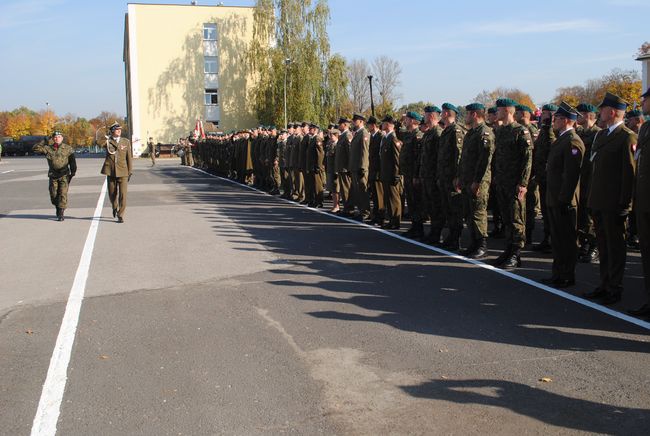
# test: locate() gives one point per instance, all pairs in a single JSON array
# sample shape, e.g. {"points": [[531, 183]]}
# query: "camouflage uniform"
{"points": [[512, 166], [532, 195], [432, 201], [451, 144], [409, 167], [62, 167]]}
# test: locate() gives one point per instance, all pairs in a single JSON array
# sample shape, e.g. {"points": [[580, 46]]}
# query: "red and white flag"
{"points": [[198, 130]]}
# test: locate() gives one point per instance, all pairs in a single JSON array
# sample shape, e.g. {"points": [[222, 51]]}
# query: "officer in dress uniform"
{"points": [[562, 193], [610, 196], [358, 166], [390, 173], [642, 203], [118, 168], [62, 168]]}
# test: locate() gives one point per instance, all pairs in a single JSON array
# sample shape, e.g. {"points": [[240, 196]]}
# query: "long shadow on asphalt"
{"points": [[540, 404], [413, 289]]}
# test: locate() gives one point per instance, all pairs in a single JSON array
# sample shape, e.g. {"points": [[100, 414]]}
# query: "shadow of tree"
{"points": [[187, 74], [540, 404]]}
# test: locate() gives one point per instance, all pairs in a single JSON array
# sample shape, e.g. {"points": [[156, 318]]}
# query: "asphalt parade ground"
{"points": [[218, 309]]}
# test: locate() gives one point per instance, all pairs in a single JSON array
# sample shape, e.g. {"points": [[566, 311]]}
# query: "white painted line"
{"points": [[49, 406], [10, 171], [566, 295]]}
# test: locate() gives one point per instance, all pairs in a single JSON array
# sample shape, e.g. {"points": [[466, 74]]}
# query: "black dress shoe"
{"points": [[590, 256], [120, 219], [596, 294], [114, 213], [564, 283], [550, 281], [513, 261], [641, 311]]}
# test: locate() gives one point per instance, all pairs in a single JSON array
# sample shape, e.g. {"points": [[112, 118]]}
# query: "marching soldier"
{"points": [[562, 192], [432, 201], [62, 168], [451, 144], [587, 130], [374, 164], [513, 155], [642, 203], [358, 168], [342, 162], [117, 168], [409, 167], [390, 175], [610, 196], [474, 176]]}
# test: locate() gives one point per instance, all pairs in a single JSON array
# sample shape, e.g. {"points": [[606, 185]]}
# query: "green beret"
{"points": [[492, 110], [431, 109], [506, 102], [414, 116], [550, 107], [633, 113], [475, 107], [449, 107], [586, 107], [523, 108], [56, 133]]}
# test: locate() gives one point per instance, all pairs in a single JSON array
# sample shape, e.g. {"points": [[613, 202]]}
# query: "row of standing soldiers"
{"points": [[447, 174]]}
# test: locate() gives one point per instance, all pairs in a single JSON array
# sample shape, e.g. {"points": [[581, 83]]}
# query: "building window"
{"points": [[211, 97], [211, 65], [210, 32]]}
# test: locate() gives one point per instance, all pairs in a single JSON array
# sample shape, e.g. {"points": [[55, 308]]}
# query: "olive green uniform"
{"points": [[451, 145], [562, 197], [151, 147], [512, 166], [358, 167], [532, 194], [118, 167], [585, 222], [298, 176], [342, 160], [428, 169], [610, 200], [541, 149], [475, 167], [390, 177], [409, 165], [642, 200], [374, 183], [62, 166]]}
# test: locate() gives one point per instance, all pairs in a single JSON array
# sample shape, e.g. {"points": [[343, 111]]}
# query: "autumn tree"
{"points": [[300, 47], [19, 125], [489, 98], [415, 107], [43, 123], [624, 83]]}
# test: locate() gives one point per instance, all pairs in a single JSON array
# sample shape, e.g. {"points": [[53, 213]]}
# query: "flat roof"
{"points": [[643, 57], [190, 5]]}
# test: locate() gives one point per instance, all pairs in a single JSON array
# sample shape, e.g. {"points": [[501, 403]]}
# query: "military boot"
{"points": [[502, 257], [513, 261], [433, 238], [480, 251], [58, 214], [416, 231], [61, 214]]}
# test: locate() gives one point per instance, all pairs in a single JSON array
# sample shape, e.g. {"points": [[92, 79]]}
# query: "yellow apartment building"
{"points": [[183, 63]]}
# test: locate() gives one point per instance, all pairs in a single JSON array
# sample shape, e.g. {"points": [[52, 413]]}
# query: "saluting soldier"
{"points": [[62, 167], [562, 192], [587, 130], [390, 173], [610, 196], [409, 167], [358, 168], [118, 168], [431, 198], [451, 144], [342, 162], [474, 177], [513, 157], [374, 164], [642, 203]]}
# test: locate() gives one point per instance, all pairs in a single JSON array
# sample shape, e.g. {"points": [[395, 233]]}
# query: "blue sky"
{"points": [[69, 52]]}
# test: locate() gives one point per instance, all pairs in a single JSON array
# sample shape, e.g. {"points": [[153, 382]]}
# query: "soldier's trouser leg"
{"points": [[190, 159], [542, 204], [300, 185], [319, 188], [455, 201], [378, 205], [513, 212], [531, 203], [393, 202], [493, 204], [413, 194], [432, 202], [610, 235], [643, 226], [359, 193], [476, 212], [564, 242], [275, 175], [310, 187], [117, 190], [59, 192], [344, 189]]}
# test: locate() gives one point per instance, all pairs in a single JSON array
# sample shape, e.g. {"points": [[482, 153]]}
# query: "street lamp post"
{"points": [[372, 103], [287, 61]]}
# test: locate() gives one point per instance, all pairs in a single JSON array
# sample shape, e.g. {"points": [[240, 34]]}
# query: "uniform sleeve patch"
{"points": [[574, 151]]}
